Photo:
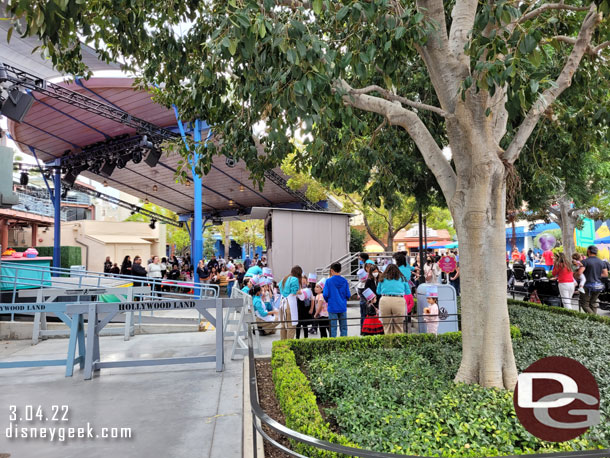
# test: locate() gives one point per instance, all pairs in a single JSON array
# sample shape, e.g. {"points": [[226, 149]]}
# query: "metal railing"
{"points": [[260, 417], [15, 277]]}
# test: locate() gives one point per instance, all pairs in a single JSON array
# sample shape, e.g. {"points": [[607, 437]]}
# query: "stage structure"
{"points": [[104, 129]]}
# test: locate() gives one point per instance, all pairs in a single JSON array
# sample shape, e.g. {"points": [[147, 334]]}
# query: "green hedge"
{"points": [[305, 349], [538, 335], [298, 402], [562, 311], [293, 390]]}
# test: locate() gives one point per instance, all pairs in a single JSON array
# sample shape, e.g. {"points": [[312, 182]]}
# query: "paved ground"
{"points": [[174, 411]]}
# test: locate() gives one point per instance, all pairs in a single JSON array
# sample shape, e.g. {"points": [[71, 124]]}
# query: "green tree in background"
{"points": [[249, 233], [356, 240]]}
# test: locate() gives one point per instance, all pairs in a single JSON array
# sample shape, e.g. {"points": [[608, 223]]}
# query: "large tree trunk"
{"points": [[479, 213], [567, 223]]}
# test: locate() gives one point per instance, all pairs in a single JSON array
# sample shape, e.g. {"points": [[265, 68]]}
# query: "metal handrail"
{"points": [[95, 280], [258, 414]]}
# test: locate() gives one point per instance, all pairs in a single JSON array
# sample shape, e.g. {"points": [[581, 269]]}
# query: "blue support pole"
{"points": [[197, 227], [57, 222]]}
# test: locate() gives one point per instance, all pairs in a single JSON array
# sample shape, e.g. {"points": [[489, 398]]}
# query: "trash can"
{"points": [[447, 308], [77, 271]]}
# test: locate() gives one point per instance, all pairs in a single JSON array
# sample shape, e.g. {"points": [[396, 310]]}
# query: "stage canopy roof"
{"points": [[52, 127]]}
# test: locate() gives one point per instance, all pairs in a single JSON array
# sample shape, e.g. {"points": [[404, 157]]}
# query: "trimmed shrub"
{"points": [[396, 393]]}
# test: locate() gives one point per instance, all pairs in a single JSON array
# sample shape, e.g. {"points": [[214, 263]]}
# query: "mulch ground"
{"points": [[268, 402]]}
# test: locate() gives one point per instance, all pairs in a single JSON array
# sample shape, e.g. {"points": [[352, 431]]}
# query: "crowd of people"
{"points": [[303, 304], [221, 272]]}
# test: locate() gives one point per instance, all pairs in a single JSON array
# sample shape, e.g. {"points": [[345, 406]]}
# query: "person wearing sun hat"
{"points": [[431, 310], [254, 270]]}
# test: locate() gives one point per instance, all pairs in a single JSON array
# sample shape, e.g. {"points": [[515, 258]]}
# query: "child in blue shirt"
{"points": [[266, 319]]}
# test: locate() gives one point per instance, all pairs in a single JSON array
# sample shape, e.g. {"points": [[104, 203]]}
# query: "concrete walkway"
{"points": [[174, 411]]}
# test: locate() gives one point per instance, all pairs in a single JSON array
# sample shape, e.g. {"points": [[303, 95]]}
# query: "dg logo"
{"points": [[557, 399]]}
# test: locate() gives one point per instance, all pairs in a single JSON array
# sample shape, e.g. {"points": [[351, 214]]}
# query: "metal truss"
{"points": [[121, 203], [154, 133], [279, 181], [26, 80]]}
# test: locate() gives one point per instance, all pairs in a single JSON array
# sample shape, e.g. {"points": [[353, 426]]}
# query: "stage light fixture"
{"points": [[17, 105], [155, 188], [152, 224], [146, 201], [24, 178], [105, 184], [108, 168], [137, 155], [122, 160], [153, 157], [231, 202], [188, 183], [72, 173], [241, 188], [230, 162]]}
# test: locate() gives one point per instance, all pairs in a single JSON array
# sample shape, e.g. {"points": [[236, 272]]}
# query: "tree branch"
{"points": [[394, 97], [408, 120], [444, 69], [372, 234], [554, 212], [463, 16], [591, 50], [562, 82], [550, 6], [405, 223]]}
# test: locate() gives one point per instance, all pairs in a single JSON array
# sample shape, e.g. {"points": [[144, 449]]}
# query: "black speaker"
{"points": [[107, 168], [152, 158], [17, 105]]}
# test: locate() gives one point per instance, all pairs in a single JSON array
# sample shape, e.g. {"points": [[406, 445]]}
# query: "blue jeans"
{"points": [[342, 317]]}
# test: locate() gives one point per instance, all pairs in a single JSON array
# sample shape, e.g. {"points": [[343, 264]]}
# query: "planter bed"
{"points": [[396, 393]]}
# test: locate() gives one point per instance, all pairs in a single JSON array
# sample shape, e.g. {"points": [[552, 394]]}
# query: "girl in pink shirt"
{"points": [[321, 312]]}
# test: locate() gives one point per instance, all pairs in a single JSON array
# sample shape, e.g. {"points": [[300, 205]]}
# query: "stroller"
{"points": [[519, 271], [604, 297], [539, 273], [546, 290]]}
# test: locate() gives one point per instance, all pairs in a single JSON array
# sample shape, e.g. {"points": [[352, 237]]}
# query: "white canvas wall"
{"points": [[308, 239]]}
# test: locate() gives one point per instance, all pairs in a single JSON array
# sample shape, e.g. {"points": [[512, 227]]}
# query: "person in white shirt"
{"points": [[154, 271]]}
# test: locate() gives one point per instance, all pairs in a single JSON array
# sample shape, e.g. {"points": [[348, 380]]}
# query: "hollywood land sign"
{"points": [[23, 308], [557, 399], [155, 305]]}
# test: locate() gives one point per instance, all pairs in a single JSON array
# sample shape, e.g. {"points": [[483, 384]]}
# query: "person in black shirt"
{"points": [[138, 270], [174, 274], [115, 269], [107, 265], [213, 263], [593, 269], [203, 272], [126, 266]]}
